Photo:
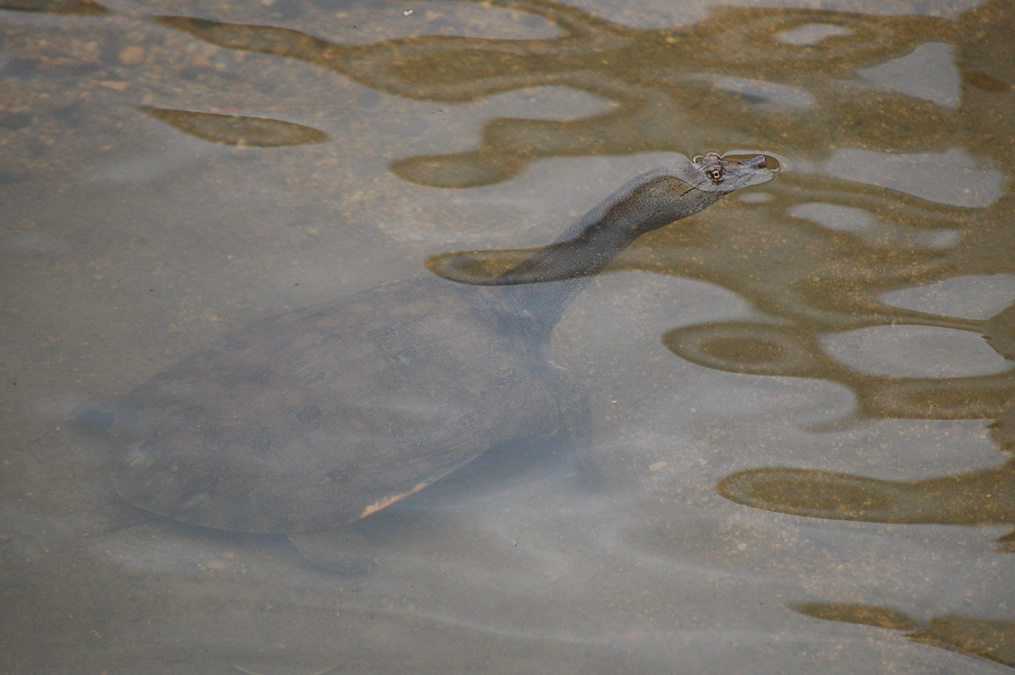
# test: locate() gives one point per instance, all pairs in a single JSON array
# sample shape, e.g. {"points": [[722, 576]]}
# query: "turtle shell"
{"points": [[322, 416]]}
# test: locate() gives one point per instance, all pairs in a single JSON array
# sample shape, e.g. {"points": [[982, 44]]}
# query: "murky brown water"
{"points": [[803, 397]]}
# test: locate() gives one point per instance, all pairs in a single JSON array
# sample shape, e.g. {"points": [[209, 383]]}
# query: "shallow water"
{"points": [[802, 397]]}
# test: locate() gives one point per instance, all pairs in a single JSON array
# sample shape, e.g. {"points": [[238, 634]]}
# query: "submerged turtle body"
{"points": [[319, 417]]}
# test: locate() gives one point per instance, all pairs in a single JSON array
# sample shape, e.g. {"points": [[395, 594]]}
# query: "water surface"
{"points": [[802, 398]]}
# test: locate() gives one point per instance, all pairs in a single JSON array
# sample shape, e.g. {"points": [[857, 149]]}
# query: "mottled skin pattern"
{"points": [[319, 417]]}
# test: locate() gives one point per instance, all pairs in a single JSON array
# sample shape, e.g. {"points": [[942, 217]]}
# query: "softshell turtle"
{"points": [[319, 417]]}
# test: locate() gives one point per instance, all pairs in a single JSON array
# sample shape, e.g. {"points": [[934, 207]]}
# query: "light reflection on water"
{"points": [[803, 416]]}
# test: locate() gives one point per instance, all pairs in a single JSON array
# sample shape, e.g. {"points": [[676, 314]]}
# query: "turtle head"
{"points": [[713, 173]]}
